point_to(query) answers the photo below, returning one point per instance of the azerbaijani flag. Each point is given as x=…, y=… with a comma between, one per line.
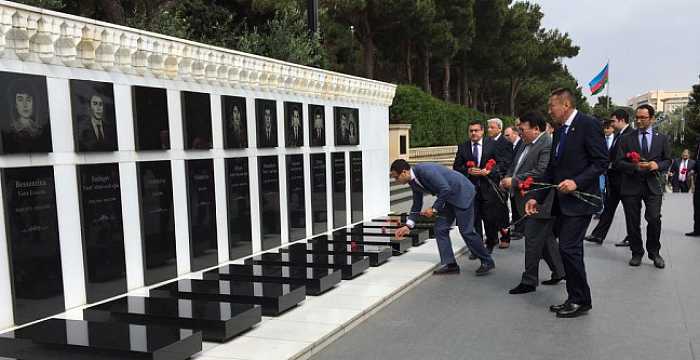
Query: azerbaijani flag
x=599, y=81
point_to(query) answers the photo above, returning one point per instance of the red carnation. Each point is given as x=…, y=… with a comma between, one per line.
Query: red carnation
x=525, y=185
x=470, y=164
x=633, y=157
x=684, y=171
x=490, y=164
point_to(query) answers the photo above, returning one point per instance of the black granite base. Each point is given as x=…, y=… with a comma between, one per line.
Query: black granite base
x=349, y=265
x=274, y=298
x=78, y=340
x=398, y=246
x=316, y=280
x=402, y=217
x=320, y=245
x=219, y=321
x=393, y=225
x=417, y=236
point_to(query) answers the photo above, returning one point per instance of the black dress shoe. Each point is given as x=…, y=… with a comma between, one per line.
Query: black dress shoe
x=521, y=289
x=693, y=234
x=447, y=269
x=553, y=281
x=485, y=268
x=658, y=261
x=573, y=310
x=593, y=239
x=623, y=243
x=557, y=308
x=636, y=260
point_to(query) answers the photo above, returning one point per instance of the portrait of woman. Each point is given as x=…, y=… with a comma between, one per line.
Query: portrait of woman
x=235, y=124
x=25, y=127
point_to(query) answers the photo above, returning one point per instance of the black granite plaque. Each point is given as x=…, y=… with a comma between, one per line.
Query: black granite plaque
x=347, y=126
x=317, y=125
x=338, y=177
x=266, y=123
x=150, y=107
x=238, y=204
x=268, y=175
x=319, y=194
x=293, y=124
x=202, y=213
x=356, y=193
x=196, y=120
x=24, y=106
x=94, y=120
x=157, y=221
x=233, y=111
x=34, y=251
x=296, y=199
x=102, y=229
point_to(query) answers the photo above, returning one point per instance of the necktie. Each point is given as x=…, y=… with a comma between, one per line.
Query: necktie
x=645, y=144
x=100, y=134
x=562, y=140
x=475, y=153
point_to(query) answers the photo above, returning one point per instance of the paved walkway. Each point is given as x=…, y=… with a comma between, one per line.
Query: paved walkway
x=638, y=313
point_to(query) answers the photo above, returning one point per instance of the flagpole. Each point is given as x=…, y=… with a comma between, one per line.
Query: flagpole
x=608, y=89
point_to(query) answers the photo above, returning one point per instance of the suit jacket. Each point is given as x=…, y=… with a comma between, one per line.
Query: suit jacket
x=634, y=179
x=504, y=155
x=447, y=185
x=614, y=175
x=489, y=150
x=87, y=139
x=676, y=168
x=516, y=151
x=534, y=164
x=583, y=158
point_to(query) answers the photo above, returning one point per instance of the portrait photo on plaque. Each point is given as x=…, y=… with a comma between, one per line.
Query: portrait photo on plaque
x=293, y=124
x=317, y=125
x=347, y=126
x=196, y=120
x=94, y=120
x=233, y=112
x=266, y=123
x=25, y=114
x=150, y=107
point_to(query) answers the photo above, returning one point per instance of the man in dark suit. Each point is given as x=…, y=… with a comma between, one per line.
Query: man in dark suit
x=455, y=201
x=680, y=172
x=532, y=161
x=620, y=121
x=96, y=132
x=696, y=197
x=641, y=181
x=579, y=158
x=504, y=157
x=512, y=134
x=490, y=201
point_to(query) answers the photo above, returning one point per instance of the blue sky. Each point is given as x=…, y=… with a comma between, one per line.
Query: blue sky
x=651, y=44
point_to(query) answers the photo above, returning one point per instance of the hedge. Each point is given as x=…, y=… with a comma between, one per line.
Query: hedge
x=433, y=122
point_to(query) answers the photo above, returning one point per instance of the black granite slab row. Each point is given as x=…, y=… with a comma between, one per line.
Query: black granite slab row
x=399, y=246
x=417, y=236
x=402, y=217
x=219, y=321
x=377, y=255
x=316, y=280
x=78, y=340
x=274, y=298
x=393, y=225
x=349, y=265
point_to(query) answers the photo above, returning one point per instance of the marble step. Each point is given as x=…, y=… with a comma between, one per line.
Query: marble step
x=345, y=236
x=219, y=321
x=316, y=280
x=417, y=236
x=349, y=265
x=78, y=340
x=377, y=254
x=273, y=298
x=393, y=225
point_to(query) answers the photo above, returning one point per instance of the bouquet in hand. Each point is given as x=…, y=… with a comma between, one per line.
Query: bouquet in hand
x=525, y=185
x=684, y=171
x=470, y=164
x=633, y=157
x=490, y=164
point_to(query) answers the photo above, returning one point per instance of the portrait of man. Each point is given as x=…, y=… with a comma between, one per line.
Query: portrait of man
x=266, y=122
x=25, y=125
x=93, y=116
x=235, y=123
x=347, y=130
x=294, y=135
x=317, y=126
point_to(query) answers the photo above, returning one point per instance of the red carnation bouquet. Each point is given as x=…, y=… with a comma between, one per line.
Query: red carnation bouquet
x=684, y=171
x=633, y=157
x=490, y=164
x=526, y=187
x=470, y=164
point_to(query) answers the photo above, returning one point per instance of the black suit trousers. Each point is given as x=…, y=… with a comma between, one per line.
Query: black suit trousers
x=696, y=208
x=612, y=200
x=652, y=214
x=571, y=230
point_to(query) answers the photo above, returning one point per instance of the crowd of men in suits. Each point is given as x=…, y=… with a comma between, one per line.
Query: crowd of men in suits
x=554, y=176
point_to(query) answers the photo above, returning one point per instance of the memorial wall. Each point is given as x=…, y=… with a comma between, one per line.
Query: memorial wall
x=130, y=158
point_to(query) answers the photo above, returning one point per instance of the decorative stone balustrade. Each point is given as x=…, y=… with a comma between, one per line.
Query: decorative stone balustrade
x=36, y=35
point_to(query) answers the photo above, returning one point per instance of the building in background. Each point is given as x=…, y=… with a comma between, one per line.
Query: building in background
x=661, y=100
